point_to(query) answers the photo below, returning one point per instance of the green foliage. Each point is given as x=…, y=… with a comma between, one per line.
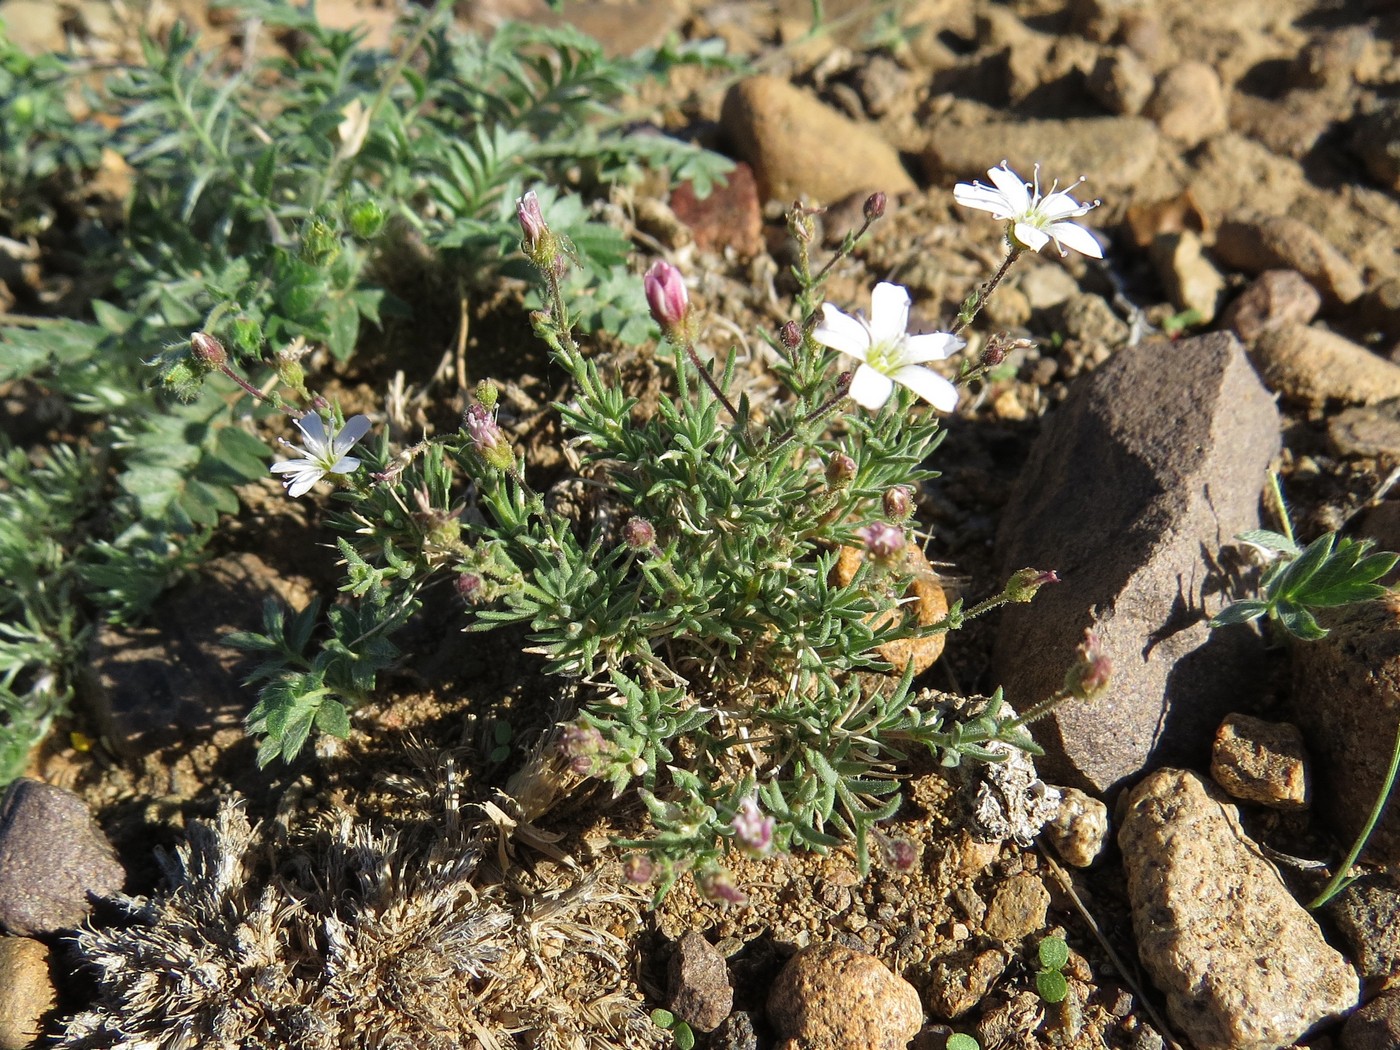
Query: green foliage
x=1049, y=980
x=1331, y=571
x=961, y=1041
x=267, y=203
x=680, y=1031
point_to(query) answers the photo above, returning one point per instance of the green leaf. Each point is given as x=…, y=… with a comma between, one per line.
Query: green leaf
x=1298, y=572
x=1053, y=952
x=1299, y=622
x=332, y=718
x=961, y=1041
x=1051, y=985
x=1269, y=540
x=1239, y=612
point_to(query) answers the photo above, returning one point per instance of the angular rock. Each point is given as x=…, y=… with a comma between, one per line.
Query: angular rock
x=1155, y=458
x=788, y=136
x=735, y=1034
x=1120, y=82
x=1376, y=1026
x=1079, y=831
x=53, y=857
x=1366, y=430
x=1282, y=242
x=1017, y=910
x=1113, y=151
x=959, y=982
x=1346, y=700
x=830, y=997
x=1189, y=103
x=1367, y=915
x=1261, y=761
x=1314, y=366
x=731, y=217
x=26, y=991
x=1243, y=965
x=1274, y=298
x=700, y=993
x=1191, y=280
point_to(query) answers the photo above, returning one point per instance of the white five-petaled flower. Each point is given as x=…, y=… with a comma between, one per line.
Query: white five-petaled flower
x=1033, y=221
x=324, y=452
x=888, y=354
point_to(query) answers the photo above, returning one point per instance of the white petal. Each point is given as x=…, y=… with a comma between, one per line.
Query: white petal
x=984, y=198
x=345, y=465
x=288, y=466
x=1076, y=237
x=314, y=428
x=842, y=332
x=931, y=346
x=1012, y=187
x=355, y=428
x=301, y=484
x=889, y=312
x=1031, y=237
x=871, y=389
x=930, y=386
x=1061, y=206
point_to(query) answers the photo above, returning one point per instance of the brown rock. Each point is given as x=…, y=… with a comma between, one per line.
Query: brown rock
x=729, y=218
x=1274, y=298
x=800, y=148
x=1346, y=697
x=26, y=991
x=1377, y=140
x=1017, y=910
x=1243, y=965
x=1151, y=459
x=1261, y=761
x=1366, y=430
x=930, y=606
x=1189, y=103
x=959, y=982
x=1281, y=242
x=830, y=997
x=700, y=992
x=1376, y=1026
x=1314, y=366
x=1191, y=281
x=1367, y=915
x=1079, y=831
x=1121, y=82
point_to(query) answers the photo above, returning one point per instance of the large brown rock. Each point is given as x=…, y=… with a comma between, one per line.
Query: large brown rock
x=1153, y=463
x=830, y=997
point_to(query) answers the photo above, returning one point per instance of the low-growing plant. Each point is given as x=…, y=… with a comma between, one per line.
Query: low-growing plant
x=726, y=609
x=272, y=197
x=1050, y=983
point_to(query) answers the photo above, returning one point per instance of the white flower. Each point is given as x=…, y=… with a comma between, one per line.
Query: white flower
x=889, y=355
x=1034, y=220
x=324, y=452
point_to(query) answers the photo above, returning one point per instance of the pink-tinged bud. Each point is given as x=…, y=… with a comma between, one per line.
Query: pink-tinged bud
x=882, y=540
x=1023, y=584
x=840, y=469
x=469, y=587
x=718, y=885
x=639, y=534
x=638, y=869
x=667, y=297
x=488, y=438
x=1092, y=670
x=874, y=206
x=207, y=350
x=532, y=225
x=994, y=354
x=752, y=830
x=791, y=335
x=898, y=854
x=582, y=745
x=897, y=503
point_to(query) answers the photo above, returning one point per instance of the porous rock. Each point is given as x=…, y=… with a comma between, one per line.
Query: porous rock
x=26, y=991
x=53, y=857
x=1281, y=242
x=831, y=997
x=1017, y=909
x=1376, y=1026
x=1154, y=458
x=1191, y=280
x=1314, y=366
x=1189, y=103
x=1346, y=700
x=1367, y=915
x=700, y=992
x=959, y=981
x=1261, y=761
x=788, y=135
x=1242, y=964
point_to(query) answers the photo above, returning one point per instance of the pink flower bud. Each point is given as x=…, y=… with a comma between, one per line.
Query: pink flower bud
x=840, y=468
x=638, y=868
x=1023, y=584
x=791, y=335
x=487, y=437
x=667, y=297
x=897, y=503
x=752, y=830
x=874, y=206
x=1092, y=670
x=717, y=884
x=639, y=534
x=469, y=586
x=532, y=225
x=882, y=540
x=207, y=350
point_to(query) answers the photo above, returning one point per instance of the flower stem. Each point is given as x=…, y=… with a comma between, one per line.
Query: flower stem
x=1343, y=877
x=974, y=303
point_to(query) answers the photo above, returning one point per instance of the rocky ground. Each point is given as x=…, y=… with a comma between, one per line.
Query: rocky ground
x=1246, y=317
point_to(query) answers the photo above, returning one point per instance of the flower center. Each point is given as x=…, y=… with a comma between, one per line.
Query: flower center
x=885, y=355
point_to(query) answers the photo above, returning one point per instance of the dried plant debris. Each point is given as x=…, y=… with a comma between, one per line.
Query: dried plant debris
x=355, y=937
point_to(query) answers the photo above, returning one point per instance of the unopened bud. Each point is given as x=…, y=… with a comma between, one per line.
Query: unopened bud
x=897, y=503
x=874, y=206
x=993, y=354
x=1023, y=584
x=882, y=540
x=207, y=350
x=638, y=868
x=1092, y=670
x=898, y=854
x=487, y=438
x=487, y=394
x=791, y=335
x=752, y=829
x=639, y=534
x=667, y=297
x=469, y=586
x=718, y=885
x=366, y=219
x=582, y=745
x=840, y=469
x=532, y=225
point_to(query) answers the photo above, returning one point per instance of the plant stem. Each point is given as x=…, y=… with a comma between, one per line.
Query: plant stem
x=974, y=306
x=1343, y=877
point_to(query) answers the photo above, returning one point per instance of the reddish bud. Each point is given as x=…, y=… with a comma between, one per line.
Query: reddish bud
x=840, y=469
x=874, y=206
x=791, y=335
x=469, y=586
x=638, y=868
x=1092, y=670
x=207, y=350
x=532, y=225
x=639, y=534
x=897, y=503
x=667, y=297
x=752, y=829
x=882, y=540
x=717, y=884
x=1025, y=582
x=898, y=854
